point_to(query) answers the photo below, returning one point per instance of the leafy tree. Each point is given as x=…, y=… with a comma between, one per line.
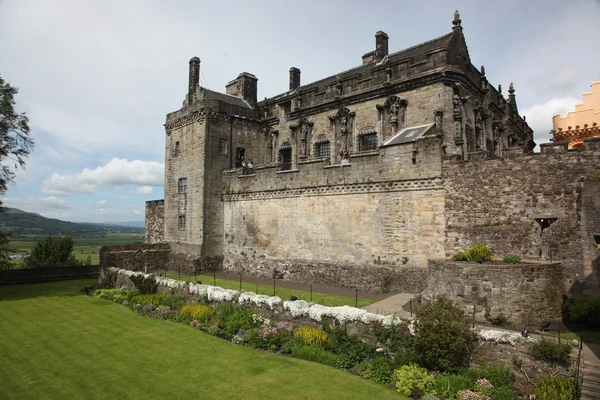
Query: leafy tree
x=443, y=336
x=15, y=146
x=52, y=251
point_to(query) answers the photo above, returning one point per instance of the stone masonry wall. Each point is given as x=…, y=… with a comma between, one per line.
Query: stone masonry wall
x=497, y=202
x=155, y=222
x=526, y=293
x=338, y=225
x=590, y=225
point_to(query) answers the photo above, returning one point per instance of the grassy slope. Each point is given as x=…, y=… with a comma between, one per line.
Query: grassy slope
x=284, y=293
x=58, y=344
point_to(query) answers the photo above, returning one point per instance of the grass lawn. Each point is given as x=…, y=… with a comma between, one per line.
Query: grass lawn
x=283, y=293
x=56, y=343
x=588, y=336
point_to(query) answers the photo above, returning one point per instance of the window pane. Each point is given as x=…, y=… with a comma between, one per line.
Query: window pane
x=323, y=149
x=367, y=142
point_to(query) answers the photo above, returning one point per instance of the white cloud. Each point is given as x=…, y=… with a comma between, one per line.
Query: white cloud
x=101, y=204
x=147, y=190
x=32, y=204
x=539, y=117
x=117, y=172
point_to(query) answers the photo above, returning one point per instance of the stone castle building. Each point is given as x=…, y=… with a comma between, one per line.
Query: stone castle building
x=579, y=124
x=360, y=178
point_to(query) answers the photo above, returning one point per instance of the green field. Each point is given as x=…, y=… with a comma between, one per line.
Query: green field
x=59, y=344
x=283, y=293
x=83, y=247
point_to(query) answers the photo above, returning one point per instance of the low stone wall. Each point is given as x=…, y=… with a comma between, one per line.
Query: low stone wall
x=526, y=293
x=38, y=275
x=137, y=257
x=373, y=278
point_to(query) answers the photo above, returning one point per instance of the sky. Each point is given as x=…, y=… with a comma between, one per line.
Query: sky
x=97, y=78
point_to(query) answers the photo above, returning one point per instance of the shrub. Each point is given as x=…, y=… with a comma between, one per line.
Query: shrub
x=378, y=371
x=504, y=393
x=232, y=318
x=145, y=299
x=449, y=385
x=551, y=352
x=116, y=295
x=175, y=302
x=479, y=251
x=498, y=375
x=512, y=259
x=460, y=256
x=312, y=335
x=314, y=353
x=499, y=320
x=584, y=312
x=429, y=396
x=353, y=349
x=411, y=377
x=554, y=387
x=443, y=336
x=198, y=312
x=145, y=284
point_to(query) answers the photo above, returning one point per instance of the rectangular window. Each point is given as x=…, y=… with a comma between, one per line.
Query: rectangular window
x=181, y=222
x=223, y=146
x=286, y=159
x=182, y=185
x=367, y=142
x=176, y=149
x=323, y=150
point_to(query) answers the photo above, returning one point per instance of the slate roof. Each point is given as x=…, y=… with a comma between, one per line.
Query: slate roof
x=226, y=98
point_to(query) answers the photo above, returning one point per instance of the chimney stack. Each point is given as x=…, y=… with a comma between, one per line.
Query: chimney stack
x=244, y=86
x=381, y=45
x=294, y=78
x=194, y=80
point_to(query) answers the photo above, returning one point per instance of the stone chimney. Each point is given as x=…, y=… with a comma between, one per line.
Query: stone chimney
x=194, y=79
x=244, y=86
x=381, y=45
x=294, y=78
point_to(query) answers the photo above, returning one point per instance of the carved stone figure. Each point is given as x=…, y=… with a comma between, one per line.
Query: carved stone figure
x=338, y=85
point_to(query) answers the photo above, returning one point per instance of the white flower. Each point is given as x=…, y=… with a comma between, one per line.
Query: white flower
x=259, y=299
x=498, y=336
x=342, y=314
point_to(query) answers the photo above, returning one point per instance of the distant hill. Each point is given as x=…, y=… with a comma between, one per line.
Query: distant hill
x=22, y=223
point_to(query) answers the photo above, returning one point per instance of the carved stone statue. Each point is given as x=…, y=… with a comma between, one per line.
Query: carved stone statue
x=338, y=85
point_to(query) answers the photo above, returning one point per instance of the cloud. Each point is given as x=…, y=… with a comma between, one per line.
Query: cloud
x=147, y=190
x=32, y=204
x=539, y=117
x=101, y=204
x=117, y=172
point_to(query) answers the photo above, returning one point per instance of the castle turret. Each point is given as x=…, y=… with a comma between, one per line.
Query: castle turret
x=244, y=86
x=294, y=78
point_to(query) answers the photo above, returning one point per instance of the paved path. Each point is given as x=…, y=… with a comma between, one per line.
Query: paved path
x=392, y=305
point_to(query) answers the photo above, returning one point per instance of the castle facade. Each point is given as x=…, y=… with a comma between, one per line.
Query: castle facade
x=360, y=178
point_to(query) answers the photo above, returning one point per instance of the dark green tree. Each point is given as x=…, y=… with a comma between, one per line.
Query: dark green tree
x=443, y=336
x=15, y=146
x=52, y=251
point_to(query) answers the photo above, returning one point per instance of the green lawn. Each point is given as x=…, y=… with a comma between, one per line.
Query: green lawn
x=58, y=344
x=283, y=293
x=588, y=336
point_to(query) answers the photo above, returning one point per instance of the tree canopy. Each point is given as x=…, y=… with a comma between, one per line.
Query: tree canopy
x=52, y=251
x=15, y=146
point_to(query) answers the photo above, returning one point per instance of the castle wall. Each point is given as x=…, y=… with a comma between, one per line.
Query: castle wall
x=185, y=160
x=359, y=225
x=155, y=221
x=497, y=202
